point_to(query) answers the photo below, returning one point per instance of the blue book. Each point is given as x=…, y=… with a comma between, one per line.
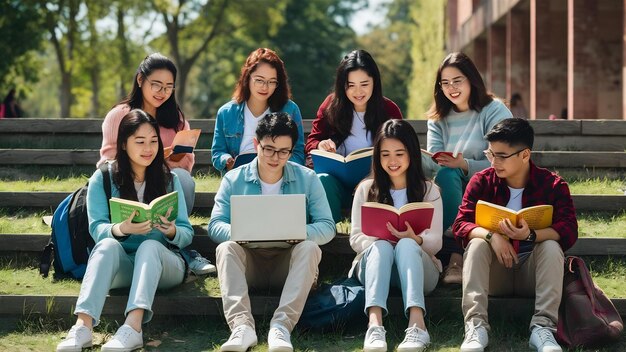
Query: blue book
x=350, y=170
x=243, y=159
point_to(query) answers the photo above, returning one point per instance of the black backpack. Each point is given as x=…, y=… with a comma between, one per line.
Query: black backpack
x=70, y=241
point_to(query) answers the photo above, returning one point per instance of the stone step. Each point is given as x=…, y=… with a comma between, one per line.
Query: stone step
x=586, y=202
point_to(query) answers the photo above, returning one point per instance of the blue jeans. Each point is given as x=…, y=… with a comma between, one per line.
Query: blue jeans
x=406, y=266
x=189, y=187
x=152, y=266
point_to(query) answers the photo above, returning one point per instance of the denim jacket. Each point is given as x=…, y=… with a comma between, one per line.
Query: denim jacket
x=229, y=132
x=297, y=179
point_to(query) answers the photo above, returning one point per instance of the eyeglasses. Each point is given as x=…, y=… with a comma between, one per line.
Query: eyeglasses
x=454, y=83
x=269, y=152
x=499, y=158
x=157, y=87
x=261, y=82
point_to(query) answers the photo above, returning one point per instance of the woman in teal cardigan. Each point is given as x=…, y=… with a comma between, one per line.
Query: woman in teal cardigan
x=142, y=256
x=461, y=115
x=262, y=88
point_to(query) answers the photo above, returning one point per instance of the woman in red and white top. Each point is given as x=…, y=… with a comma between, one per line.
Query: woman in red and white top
x=153, y=92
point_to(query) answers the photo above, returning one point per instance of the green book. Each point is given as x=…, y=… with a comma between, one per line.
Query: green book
x=122, y=208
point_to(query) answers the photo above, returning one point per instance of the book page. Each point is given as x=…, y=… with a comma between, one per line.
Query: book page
x=538, y=217
x=187, y=137
x=161, y=206
x=489, y=215
x=318, y=154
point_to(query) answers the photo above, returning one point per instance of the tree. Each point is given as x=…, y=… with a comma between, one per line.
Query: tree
x=312, y=43
x=427, y=51
x=21, y=33
x=388, y=43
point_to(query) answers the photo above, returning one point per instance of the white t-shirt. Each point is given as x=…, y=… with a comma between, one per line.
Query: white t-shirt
x=249, y=128
x=271, y=188
x=515, y=200
x=399, y=197
x=140, y=188
x=358, y=138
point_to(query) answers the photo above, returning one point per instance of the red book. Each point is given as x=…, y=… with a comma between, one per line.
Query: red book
x=374, y=218
x=435, y=155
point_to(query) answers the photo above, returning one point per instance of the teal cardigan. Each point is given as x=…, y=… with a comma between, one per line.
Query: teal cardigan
x=297, y=179
x=100, y=225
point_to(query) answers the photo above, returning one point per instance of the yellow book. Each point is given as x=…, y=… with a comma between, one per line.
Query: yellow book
x=489, y=215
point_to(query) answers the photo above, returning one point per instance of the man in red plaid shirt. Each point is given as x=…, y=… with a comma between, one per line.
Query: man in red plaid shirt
x=515, y=260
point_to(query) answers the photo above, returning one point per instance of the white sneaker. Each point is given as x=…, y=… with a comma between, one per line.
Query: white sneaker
x=542, y=339
x=77, y=338
x=241, y=338
x=375, y=339
x=126, y=339
x=415, y=340
x=476, y=338
x=199, y=265
x=279, y=339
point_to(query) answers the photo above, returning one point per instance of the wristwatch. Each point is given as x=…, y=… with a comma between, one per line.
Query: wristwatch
x=488, y=236
x=532, y=237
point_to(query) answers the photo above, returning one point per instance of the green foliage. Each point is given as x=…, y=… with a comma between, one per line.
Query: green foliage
x=388, y=45
x=21, y=32
x=311, y=43
x=427, y=51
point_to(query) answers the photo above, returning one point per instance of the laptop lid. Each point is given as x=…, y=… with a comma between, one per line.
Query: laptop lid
x=268, y=219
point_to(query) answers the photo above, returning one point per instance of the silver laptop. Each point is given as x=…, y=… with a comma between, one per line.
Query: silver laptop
x=268, y=220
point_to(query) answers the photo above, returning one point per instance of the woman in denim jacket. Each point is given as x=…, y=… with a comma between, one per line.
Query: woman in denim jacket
x=262, y=88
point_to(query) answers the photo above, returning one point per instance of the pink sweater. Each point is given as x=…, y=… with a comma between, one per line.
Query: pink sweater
x=111, y=125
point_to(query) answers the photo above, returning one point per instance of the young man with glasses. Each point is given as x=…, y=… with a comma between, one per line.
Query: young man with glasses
x=516, y=259
x=269, y=173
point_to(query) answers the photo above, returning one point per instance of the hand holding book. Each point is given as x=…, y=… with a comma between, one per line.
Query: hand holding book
x=167, y=227
x=128, y=227
x=408, y=233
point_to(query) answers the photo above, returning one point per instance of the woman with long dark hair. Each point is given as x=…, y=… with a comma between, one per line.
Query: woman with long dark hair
x=142, y=256
x=153, y=92
x=461, y=115
x=262, y=88
x=410, y=264
x=349, y=118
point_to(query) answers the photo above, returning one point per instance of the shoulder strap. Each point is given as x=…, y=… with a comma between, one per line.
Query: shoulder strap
x=106, y=181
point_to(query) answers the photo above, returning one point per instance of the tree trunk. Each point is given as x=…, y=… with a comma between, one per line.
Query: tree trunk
x=66, y=93
x=124, y=53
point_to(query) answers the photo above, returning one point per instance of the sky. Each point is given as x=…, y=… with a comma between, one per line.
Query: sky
x=370, y=15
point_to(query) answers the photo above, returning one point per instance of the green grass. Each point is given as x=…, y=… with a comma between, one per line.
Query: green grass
x=595, y=224
x=204, y=183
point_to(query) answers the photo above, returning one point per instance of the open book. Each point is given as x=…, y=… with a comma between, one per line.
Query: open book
x=350, y=170
x=122, y=208
x=435, y=155
x=489, y=215
x=244, y=158
x=374, y=218
x=184, y=142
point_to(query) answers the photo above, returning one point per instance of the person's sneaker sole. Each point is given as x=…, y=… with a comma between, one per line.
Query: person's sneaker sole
x=374, y=349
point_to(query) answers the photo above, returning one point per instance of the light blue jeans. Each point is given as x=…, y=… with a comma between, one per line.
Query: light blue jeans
x=153, y=266
x=189, y=187
x=406, y=266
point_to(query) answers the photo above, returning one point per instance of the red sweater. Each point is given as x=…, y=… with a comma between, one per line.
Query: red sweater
x=321, y=130
x=543, y=187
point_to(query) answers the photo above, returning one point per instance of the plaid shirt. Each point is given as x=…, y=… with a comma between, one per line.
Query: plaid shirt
x=543, y=187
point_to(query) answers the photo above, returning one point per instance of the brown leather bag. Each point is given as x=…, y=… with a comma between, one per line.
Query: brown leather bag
x=587, y=318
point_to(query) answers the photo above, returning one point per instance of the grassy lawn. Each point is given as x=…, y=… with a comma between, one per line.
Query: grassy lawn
x=42, y=333
x=595, y=224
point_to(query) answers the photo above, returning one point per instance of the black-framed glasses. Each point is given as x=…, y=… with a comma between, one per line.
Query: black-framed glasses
x=157, y=87
x=269, y=152
x=261, y=83
x=496, y=157
x=454, y=83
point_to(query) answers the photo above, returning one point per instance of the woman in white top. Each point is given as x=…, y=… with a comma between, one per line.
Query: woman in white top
x=410, y=262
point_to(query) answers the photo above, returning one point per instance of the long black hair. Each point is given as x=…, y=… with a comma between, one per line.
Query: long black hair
x=158, y=175
x=479, y=97
x=415, y=179
x=169, y=113
x=340, y=111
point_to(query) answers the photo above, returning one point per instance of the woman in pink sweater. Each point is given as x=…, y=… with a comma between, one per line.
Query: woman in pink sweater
x=153, y=92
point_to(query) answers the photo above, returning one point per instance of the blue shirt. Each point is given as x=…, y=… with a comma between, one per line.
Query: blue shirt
x=229, y=133
x=297, y=179
x=100, y=225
